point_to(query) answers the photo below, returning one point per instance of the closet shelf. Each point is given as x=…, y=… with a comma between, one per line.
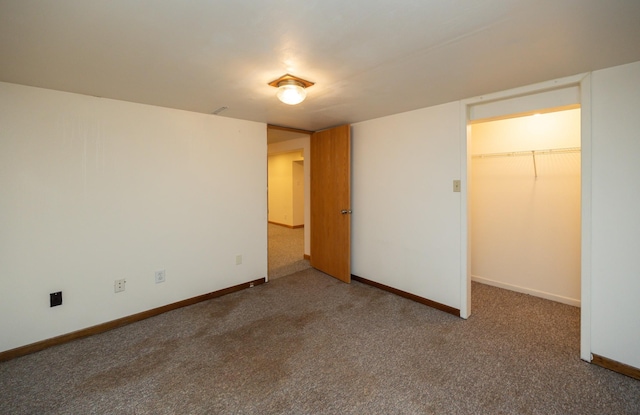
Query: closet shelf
x=529, y=153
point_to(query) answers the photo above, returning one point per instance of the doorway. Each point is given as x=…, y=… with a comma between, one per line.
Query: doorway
x=551, y=94
x=288, y=201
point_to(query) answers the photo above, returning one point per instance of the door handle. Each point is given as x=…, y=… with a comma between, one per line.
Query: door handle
x=345, y=211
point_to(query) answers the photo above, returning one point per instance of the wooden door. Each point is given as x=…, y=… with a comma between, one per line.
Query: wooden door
x=331, y=202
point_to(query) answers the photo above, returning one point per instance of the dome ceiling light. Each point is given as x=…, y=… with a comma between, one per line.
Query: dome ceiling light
x=291, y=89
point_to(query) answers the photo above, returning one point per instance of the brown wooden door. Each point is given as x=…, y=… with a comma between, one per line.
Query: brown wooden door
x=331, y=202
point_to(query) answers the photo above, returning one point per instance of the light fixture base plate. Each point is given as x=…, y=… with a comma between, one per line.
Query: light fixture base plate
x=288, y=77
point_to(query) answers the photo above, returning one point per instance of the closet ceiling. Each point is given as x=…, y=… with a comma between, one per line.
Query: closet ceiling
x=368, y=58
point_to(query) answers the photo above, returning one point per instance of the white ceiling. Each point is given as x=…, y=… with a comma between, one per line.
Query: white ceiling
x=368, y=58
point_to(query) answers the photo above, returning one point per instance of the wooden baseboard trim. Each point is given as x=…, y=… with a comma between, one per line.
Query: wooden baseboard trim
x=307, y=257
x=410, y=296
x=622, y=368
x=110, y=325
x=287, y=226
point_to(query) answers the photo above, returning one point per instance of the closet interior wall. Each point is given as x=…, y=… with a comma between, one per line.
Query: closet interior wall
x=525, y=204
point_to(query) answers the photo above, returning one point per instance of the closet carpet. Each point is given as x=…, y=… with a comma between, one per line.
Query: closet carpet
x=309, y=344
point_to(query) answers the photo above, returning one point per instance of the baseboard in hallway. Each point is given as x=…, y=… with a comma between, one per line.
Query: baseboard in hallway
x=287, y=226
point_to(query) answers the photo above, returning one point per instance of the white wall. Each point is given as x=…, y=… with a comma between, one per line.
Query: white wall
x=304, y=144
x=406, y=217
x=615, y=278
x=525, y=230
x=95, y=190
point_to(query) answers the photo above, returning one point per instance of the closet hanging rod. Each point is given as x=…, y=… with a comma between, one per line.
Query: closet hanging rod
x=529, y=152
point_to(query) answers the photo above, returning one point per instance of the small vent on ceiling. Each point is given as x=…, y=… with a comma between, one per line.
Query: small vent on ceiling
x=219, y=110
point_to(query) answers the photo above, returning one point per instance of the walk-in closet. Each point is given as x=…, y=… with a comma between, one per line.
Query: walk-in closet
x=525, y=204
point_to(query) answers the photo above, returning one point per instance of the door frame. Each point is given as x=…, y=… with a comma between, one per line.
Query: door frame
x=583, y=82
x=285, y=147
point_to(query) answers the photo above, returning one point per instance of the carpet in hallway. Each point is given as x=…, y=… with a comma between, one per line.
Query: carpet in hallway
x=286, y=251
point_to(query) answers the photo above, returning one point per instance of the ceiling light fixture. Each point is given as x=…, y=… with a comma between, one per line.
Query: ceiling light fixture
x=291, y=89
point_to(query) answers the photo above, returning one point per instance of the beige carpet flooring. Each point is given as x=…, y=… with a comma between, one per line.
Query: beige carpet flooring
x=286, y=251
x=309, y=344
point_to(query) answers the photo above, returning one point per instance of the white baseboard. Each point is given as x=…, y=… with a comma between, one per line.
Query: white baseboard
x=549, y=296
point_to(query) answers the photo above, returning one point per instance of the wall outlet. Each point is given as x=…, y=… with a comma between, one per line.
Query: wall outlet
x=118, y=285
x=160, y=276
x=238, y=259
x=55, y=299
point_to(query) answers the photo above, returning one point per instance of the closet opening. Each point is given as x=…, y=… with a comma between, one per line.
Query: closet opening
x=570, y=93
x=525, y=203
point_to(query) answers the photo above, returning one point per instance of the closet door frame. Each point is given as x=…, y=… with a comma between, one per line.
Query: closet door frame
x=556, y=90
